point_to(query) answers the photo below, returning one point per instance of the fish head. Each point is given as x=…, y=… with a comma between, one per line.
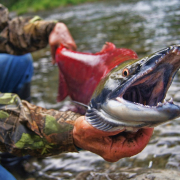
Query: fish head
x=114, y=81
x=131, y=96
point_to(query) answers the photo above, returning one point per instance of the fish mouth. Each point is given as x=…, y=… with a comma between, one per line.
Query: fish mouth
x=139, y=102
x=147, y=91
x=150, y=87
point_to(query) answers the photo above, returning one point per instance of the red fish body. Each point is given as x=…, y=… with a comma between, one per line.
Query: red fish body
x=80, y=72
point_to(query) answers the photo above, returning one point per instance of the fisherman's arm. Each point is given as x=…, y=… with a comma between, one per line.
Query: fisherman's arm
x=29, y=129
x=23, y=35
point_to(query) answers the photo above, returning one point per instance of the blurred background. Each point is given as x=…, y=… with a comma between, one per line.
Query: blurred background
x=141, y=25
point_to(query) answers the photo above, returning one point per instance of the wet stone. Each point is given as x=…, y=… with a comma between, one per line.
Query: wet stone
x=132, y=174
x=150, y=176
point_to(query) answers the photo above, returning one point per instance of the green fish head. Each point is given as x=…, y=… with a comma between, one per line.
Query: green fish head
x=132, y=95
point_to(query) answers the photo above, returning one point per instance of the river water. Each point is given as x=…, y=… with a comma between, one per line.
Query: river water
x=142, y=25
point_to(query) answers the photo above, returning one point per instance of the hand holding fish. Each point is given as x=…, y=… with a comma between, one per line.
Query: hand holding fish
x=112, y=146
x=60, y=35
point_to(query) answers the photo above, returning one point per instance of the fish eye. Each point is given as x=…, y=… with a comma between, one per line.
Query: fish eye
x=125, y=72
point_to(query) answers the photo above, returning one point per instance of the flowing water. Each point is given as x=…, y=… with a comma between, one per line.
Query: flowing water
x=142, y=25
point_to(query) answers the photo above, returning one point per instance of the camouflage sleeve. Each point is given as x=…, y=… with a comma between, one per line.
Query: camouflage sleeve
x=29, y=129
x=4, y=17
x=22, y=35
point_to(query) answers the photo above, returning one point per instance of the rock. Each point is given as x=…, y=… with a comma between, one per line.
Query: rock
x=131, y=174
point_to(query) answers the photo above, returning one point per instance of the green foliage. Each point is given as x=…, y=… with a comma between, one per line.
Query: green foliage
x=23, y=6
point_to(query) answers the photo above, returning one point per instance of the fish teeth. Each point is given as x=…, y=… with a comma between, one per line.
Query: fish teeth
x=157, y=61
x=175, y=49
x=148, y=106
x=138, y=104
x=171, y=47
x=159, y=104
x=171, y=100
x=161, y=57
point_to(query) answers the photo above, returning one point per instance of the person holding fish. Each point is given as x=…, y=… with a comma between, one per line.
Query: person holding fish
x=54, y=132
x=139, y=87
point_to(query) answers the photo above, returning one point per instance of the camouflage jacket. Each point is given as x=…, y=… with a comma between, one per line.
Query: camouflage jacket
x=29, y=129
x=22, y=35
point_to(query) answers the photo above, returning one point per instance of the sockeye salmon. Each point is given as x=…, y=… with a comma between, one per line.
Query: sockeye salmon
x=131, y=95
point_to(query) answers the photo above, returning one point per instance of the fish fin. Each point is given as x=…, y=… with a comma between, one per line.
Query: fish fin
x=81, y=104
x=108, y=47
x=62, y=89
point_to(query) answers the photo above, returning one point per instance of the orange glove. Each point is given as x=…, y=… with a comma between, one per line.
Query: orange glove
x=112, y=146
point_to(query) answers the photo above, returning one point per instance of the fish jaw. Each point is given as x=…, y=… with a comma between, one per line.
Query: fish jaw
x=153, y=115
x=137, y=101
x=116, y=115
